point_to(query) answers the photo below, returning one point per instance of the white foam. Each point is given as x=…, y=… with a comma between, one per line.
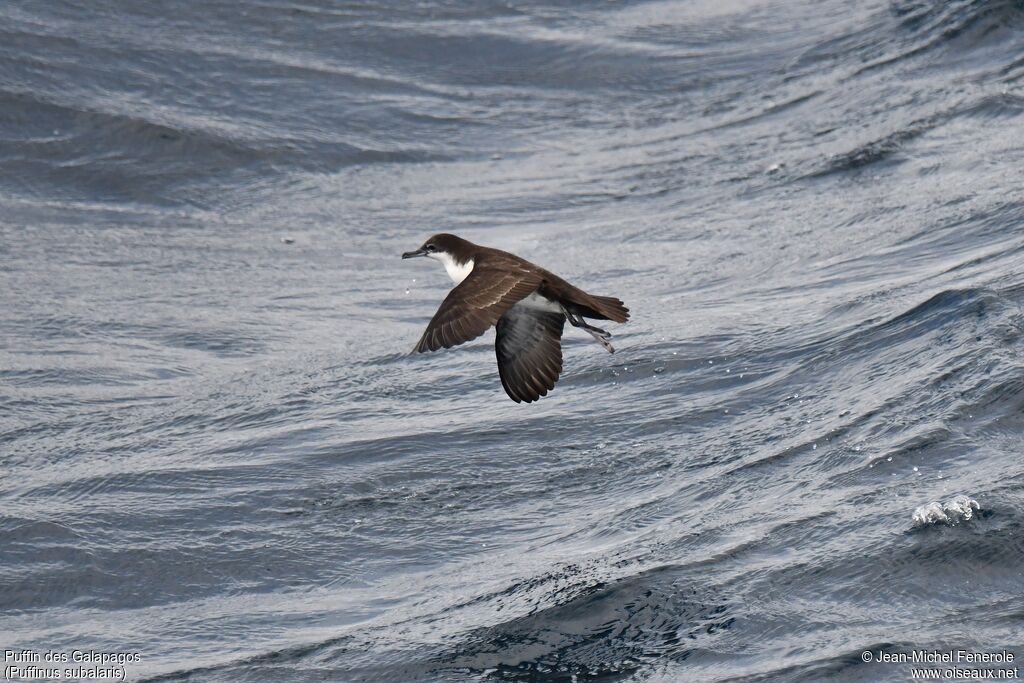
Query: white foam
x=959, y=509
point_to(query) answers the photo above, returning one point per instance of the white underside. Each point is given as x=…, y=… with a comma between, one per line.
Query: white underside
x=456, y=271
x=536, y=302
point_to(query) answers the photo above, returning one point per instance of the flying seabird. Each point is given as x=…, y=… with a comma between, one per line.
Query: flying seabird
x=526, y=303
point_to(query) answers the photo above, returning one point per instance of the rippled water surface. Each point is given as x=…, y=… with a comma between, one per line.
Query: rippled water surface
x=217, y=452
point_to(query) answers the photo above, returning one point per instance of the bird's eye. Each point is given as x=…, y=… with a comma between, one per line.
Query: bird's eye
x=431, y=247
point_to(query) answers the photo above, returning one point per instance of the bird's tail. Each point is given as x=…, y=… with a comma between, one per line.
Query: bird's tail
x=610, y=308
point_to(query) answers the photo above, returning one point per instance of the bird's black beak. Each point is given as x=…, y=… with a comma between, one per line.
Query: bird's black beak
x=414, y=254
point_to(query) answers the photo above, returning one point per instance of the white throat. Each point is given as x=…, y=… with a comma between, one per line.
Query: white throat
x=456, y=271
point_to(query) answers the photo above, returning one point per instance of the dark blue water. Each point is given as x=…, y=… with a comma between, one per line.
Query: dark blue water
x=216, y=451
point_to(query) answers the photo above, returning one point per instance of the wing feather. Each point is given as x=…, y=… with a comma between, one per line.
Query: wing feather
x=476, y=304
x=529, y=350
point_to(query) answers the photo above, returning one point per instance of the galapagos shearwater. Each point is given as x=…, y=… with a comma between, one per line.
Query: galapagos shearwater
x=526, y=303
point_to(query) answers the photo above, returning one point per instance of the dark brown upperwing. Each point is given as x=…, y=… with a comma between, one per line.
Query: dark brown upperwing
x=477, y=303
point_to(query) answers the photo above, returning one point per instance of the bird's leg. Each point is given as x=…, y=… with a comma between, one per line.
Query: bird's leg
x=577, y=320
x=597, y=333
x=603, y=341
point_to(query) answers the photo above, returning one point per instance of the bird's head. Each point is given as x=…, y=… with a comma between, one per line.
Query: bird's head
x=443, y=247
x=454, y=252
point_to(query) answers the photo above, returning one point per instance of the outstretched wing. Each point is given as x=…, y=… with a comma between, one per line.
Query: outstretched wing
x=475, y=304
x=529, y=350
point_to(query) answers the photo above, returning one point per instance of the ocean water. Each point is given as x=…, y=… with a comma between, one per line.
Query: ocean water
x=217, y=452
